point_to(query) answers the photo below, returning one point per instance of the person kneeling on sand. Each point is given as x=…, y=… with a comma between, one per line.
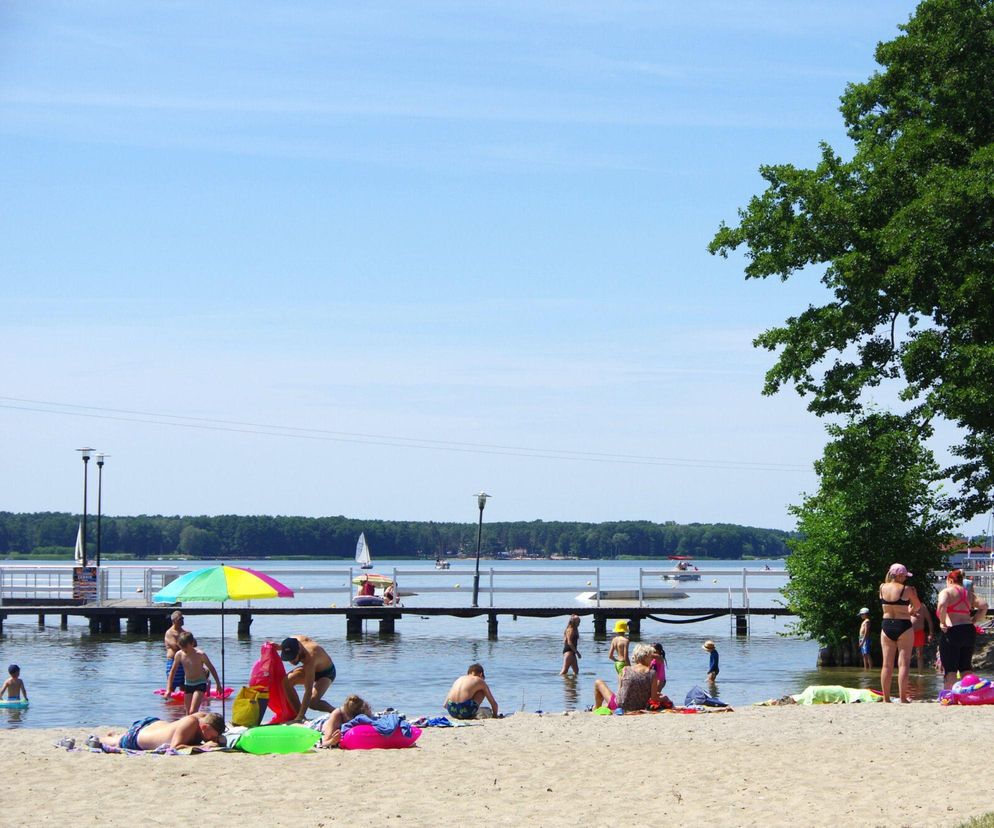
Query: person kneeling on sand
x=466, y=694
x=150, y=733
x=637, y=684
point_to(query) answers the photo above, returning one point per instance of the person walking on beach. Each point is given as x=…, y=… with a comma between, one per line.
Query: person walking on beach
x=316, y=672
x=864, y=638
x=150, y=733
x=712, y=660
x=959, y=610
x=467, y=694
x=899, y=602
x=195, y=664
x=172, y=647
x=571, y=640
x=618, y=651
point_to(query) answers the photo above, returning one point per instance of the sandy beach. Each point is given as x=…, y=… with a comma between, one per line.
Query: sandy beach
x=796, y=766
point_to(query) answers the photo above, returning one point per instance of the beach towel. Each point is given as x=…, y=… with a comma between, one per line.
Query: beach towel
x=835, y=694
x=697, y=696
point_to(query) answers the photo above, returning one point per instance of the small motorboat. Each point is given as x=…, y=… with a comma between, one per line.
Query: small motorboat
x=683, y=571
x=440, y=564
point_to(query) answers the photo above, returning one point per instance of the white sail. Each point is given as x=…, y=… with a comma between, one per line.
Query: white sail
x=362, y=553
x=79, y=544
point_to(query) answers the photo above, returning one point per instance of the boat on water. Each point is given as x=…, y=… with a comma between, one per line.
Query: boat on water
x=683, y=571
x=632, y=595
x=440, y=564
x=362, y=556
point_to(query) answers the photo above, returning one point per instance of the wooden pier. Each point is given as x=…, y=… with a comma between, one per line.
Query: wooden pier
x=140, y=618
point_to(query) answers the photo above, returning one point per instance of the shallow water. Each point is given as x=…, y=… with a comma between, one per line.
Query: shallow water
x=79, y=679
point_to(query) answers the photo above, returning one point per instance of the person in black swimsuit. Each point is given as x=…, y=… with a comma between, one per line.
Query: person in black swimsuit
x=959, y=610
x=571, y=639
x=899, y=601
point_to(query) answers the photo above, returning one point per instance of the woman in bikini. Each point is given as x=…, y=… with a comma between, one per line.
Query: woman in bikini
x=958, y=635
x=571, y=640
x=899, y=602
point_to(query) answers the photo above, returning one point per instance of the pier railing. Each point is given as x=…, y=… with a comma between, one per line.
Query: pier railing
x=136, y=584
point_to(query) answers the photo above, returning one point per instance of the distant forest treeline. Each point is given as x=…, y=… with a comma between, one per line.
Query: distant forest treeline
x=235, y=536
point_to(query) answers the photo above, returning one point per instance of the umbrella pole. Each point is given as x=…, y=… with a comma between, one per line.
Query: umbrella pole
x=223, y=700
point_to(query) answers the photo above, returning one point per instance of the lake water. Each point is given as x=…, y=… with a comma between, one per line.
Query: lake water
x=79, y=679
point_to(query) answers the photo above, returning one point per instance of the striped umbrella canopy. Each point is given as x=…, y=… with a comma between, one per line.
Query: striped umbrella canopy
x=222, y=583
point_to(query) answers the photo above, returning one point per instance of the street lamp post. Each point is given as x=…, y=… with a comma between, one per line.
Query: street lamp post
x=100, y=489
x=481, y=500
x=85, y=453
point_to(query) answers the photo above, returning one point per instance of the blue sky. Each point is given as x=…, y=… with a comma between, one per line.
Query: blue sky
x=421, y=248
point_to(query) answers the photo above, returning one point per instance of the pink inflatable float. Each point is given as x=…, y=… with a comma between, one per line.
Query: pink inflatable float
x=367, y=737
x=178, y=695
x=969, y=690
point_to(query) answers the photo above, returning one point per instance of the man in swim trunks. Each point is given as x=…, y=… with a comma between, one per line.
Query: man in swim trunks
x=466, y=694
x=172, y=647
x=316, y=673
x=150, y=733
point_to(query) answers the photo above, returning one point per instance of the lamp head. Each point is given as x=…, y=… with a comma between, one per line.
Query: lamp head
x=481, y=499
x=100, y=458
x=85, y=453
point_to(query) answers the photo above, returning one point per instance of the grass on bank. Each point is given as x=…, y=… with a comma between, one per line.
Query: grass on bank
x=984, y=821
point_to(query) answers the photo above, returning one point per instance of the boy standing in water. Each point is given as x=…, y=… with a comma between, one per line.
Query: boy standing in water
x=713, y=661
x=618, y=653
x=195, y=664
x=864, y=638
x=13, y=688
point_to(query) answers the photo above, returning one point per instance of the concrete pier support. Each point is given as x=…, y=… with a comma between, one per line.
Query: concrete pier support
x=388, y=625
x=742, y=625
x=94, y=624
x=244, y=624
x=136, y=625
x=492, y=626
x=63, y=622
x=41, y=620
x=600, y=625
x=353, y=624
x=157, y=625
x=634, y=627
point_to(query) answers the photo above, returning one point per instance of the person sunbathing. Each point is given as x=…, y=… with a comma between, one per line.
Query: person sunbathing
x=637, y=684
x=150, y=733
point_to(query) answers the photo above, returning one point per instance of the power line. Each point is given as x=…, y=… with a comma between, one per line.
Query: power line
x=305, y=433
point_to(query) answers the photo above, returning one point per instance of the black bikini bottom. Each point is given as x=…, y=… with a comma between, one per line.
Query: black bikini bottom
x=894, y=628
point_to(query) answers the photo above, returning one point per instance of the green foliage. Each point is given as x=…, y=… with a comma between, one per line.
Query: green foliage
x=983, y=821
x=257, y=536
x=901, y=237
x=877, y=504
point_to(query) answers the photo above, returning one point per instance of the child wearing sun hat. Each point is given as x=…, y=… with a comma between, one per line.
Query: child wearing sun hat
x=618, y=652
x=713, y=662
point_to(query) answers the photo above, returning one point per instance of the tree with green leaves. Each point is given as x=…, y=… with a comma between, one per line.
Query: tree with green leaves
x=878, y=502
x=902, y=235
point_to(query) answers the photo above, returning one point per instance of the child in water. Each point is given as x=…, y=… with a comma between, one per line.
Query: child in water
x=13, y=688
x=195, y=663
x=713, y=661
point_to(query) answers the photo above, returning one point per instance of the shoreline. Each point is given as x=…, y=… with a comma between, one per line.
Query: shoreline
x=818, y=766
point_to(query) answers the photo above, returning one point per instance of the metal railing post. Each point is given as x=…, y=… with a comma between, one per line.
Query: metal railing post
x=491, y=586
x=641, y=577
x=598, y=593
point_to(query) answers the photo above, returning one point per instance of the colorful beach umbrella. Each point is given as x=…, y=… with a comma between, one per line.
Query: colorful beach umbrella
x=219, y=584
x=222, y=583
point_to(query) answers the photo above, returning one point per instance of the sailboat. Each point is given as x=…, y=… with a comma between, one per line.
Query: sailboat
x=362, y=553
